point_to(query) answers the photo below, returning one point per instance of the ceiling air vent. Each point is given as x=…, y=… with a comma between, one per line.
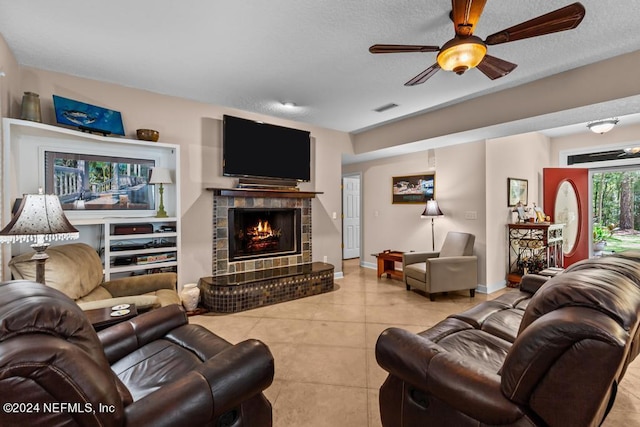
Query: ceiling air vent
x=385, y=107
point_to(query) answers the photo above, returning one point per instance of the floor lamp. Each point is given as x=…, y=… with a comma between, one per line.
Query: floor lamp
x=39, y=219
x=432, y=211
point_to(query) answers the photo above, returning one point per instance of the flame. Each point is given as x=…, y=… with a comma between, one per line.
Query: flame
x=263, y=230
x=263, y=227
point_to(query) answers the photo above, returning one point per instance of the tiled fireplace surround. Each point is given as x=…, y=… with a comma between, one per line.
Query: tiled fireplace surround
x=221, y=205
x=240, y=285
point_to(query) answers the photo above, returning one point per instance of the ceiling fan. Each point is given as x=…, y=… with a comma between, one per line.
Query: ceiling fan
x=630, y=151
x=466, y=51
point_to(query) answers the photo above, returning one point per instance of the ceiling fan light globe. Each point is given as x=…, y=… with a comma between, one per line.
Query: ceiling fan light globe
x=461, y=54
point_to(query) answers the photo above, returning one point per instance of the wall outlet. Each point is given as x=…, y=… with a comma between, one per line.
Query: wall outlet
x=471, y=215
x=324, y=259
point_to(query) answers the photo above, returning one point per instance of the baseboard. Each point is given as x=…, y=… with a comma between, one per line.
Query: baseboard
x=370, y=265
x=481, y=289
x=491, y=288
x=338, y=275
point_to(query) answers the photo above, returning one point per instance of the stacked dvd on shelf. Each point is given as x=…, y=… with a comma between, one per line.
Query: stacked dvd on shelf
x=151, y=258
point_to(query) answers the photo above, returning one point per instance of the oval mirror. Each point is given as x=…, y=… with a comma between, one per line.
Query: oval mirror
x=567, y=212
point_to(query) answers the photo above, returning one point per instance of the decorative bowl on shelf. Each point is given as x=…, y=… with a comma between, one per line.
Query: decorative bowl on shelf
x=148, y=134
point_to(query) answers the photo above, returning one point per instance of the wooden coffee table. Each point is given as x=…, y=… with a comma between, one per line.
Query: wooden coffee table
x=387, y=264
x=101, y=318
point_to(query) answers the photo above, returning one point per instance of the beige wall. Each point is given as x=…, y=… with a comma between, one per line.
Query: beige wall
x=10, y=95
x=399, y=226
x=471, y=180
x=196, y=128
x=469, y=177
x=462, y=189
x=9, y=104
x=572, y=90
x=520, y=156
x=386, y=225
x=620, y=135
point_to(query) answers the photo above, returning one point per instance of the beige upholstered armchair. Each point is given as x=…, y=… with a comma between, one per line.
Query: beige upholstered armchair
x=76, y=270
x=454, y=268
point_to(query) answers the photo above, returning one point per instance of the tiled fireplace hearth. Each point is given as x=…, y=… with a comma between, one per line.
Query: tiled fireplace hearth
x=247, y=279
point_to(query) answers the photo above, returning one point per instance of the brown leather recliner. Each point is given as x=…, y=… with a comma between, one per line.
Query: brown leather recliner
x=153, y=370
x=547, y=357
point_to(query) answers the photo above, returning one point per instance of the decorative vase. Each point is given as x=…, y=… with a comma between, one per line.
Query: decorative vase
x=190, y=295
x=31, y=107
x=599, y=246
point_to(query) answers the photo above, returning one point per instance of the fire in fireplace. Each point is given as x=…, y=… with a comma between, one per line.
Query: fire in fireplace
x=263, y=232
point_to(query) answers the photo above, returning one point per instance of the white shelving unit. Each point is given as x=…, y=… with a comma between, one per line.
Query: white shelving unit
x=23, y=171
x=156, y=244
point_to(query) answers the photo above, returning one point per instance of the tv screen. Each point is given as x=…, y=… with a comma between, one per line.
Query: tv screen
x=261, y=150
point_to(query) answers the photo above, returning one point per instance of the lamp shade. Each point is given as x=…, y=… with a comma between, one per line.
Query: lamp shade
x=39, y=217
x=432, y=210
x=160, y=176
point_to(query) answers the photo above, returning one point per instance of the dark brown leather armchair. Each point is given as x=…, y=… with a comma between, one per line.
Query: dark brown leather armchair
x=153, y=370
x=551, y=356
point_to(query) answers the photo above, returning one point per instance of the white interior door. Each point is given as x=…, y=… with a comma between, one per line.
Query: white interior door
x=350, y=217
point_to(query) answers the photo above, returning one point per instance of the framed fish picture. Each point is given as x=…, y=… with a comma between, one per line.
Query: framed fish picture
x=87, y=117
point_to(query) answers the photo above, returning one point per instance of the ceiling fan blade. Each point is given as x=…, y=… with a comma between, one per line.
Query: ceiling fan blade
x=565, y=18
x=423, y=76
x=465, y=15
x=399, y=48
x=494, y=68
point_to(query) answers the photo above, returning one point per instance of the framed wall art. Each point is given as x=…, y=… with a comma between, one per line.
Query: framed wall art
x=95, y=182
x=517, y=192
x=87, y=117
x=414, y=188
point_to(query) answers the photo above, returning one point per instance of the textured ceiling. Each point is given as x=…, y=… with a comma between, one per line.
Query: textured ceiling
x=253, y=55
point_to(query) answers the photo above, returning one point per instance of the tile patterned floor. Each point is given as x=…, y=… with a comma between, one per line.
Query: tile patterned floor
x=326, y=374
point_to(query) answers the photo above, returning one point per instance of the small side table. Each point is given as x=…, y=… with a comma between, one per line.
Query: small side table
x=101, y=318
x=387, y=264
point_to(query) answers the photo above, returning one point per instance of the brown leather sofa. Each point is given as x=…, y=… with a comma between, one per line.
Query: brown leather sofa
x=549, y=354
x=153, y=370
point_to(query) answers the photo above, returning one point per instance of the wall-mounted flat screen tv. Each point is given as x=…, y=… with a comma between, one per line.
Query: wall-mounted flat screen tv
x=260, y=150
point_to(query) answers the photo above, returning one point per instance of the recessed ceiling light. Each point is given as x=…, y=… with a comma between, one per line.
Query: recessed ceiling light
x=602, y=126
x=289, y=104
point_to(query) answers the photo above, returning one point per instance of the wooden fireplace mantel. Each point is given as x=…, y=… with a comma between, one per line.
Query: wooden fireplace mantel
x=263, y=192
